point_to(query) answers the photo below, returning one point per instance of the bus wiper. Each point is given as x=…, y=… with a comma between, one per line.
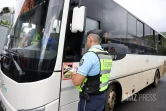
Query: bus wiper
x=15, y=63
x=13, y=52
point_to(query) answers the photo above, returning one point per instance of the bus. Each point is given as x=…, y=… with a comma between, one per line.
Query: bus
x=36, y=76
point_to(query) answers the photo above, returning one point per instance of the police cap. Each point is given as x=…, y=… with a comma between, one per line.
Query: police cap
x=98, y=32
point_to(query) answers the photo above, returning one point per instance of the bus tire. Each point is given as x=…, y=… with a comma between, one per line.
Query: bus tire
x=156, y=79
x=111, y=98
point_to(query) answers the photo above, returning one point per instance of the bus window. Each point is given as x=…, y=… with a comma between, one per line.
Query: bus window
x=139, y=29
x=160, y=40
x=135, y=39
x=149, y=41
x=148, y=36
x=114, y=21
x=90, y=25
x=38, y=49
x=75, y=44
x=131, y=25
x=161, y=46
x=28, y=24
x=156, y=37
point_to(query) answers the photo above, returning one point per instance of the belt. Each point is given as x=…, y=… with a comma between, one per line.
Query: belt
x=85, y=95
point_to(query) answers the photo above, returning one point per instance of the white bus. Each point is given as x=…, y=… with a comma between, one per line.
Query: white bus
x=35, y=77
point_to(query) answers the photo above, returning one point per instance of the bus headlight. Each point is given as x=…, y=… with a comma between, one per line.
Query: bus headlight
x=37, y=109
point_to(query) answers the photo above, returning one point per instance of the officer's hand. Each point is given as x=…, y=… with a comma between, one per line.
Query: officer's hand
x=73, y=73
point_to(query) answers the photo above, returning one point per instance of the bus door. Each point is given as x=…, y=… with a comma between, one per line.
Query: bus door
x=74, y=48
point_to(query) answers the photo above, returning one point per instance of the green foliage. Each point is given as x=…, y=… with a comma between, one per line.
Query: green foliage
x=4, y=22
x=164, y=33
x=149, y=37
x=162, y=47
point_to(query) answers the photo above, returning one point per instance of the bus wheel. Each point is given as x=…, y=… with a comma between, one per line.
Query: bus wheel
x=111, y=98
x=156, y=79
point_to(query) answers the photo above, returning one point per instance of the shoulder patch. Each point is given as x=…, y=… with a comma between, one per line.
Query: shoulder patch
x=81, y=62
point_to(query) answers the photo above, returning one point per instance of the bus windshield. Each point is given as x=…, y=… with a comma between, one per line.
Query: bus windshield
x=35, y=39
x=30, y=34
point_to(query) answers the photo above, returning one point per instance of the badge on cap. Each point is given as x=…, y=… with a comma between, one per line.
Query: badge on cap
x=81, y=62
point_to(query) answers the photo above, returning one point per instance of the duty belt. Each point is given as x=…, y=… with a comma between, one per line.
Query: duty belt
x=85, y=95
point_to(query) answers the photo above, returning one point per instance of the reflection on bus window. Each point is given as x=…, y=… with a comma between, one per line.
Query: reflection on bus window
x=111, y=46
x=29, y=28
x=75, y=43
x=26, y=27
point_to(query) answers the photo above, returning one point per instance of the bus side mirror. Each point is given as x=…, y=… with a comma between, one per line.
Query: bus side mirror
x=78, y=19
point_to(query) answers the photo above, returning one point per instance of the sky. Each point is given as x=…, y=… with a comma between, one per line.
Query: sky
x=9, y=3
x=152, y=12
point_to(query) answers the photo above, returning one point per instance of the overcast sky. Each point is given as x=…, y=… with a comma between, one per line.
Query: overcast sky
x=4, y=3
x=153, y=12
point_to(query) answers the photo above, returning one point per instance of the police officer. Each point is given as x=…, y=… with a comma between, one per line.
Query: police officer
x=91, y=78
x=33, y=37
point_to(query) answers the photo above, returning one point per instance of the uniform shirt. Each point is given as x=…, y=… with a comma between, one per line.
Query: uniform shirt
x=51, y=43
x=32, y=34
x=89, y=64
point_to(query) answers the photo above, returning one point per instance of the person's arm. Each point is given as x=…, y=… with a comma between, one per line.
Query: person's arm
x=23, y=41
x=27, y=36
x=77, y=78
x=83, y=70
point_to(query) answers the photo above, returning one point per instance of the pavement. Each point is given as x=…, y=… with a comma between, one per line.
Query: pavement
x=149, y=99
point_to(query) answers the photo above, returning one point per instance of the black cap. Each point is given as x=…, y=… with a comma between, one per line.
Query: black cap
x=99, y=32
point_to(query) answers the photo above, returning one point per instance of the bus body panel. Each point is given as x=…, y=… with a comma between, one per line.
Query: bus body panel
x=134, y=83
x=138, y=63
x=12, y=93
x=148, y=77
x=69, y=95
x=138, y=75
x=68, y=91
x=43, y=92
x=6, y=104
x=70, y=107
x=30, y=95
x=53, y=106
